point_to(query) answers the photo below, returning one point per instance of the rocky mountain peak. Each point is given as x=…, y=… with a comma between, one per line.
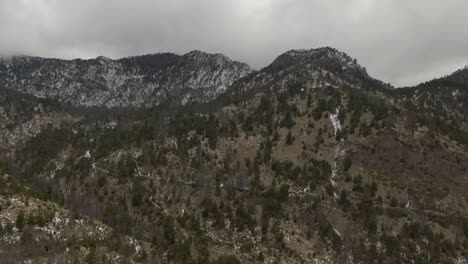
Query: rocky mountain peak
x=201, y=56
x=212, y=59
x=104, y=60
x=324, y=57
x=311, y=68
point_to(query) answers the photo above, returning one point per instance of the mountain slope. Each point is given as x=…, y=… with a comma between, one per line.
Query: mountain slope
x=308, y=160
x=24, y=116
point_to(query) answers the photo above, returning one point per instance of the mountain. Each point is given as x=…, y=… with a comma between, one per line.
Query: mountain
x=308, y=160
x=308, y=69
x=142, y=81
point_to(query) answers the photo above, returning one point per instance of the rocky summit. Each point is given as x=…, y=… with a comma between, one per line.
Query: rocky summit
x=196, y=158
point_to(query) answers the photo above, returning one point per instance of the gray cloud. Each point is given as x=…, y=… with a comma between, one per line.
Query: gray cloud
x=399, y=41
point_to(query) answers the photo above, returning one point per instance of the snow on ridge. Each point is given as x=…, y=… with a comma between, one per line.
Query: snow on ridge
x=105, y=82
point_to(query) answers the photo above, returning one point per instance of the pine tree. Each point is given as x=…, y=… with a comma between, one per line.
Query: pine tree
x=289, y=138
x=20, y=220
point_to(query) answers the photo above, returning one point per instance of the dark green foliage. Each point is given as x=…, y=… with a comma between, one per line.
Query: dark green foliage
x=393, y=202
x=169, y=229
x=340, y=134
x=180, y=251
x=371, y=189
x=273, y=200
x=264, y=114
x=326, y=230
x=392, y=245
x=271, y=208
x=119, y=218
x=8, y=228
x=208, y=126
x=161, y=158
x=412, y=230
x=319, y=109
x=3, y=167
x=294, y=87
x=315, y=173
x=243, y=219
x=40, y=218
x=211, y=131
x=283, y=193
x=83, y=166
x=289, y=111
x=45, y=146
x=465, y=227
x=365, y=130
x=232, y=128
x=109, y=140
x=91, y=257
x=267, y=150
x=126, y=167
x=20, y=220
x=355, y=118
x=248, y=124
x=368, y=213
x=347, y=164
x=289, y=138
x=357, y=187
x=344, y=202
x=101, y=181
x=361, y=102
x=286, y=169
x=455, y=133
x=287, y=121
x=226, y=259
x=185, y=122
x=151, y=63
x=138, y=193
x=341, y=116
x=210, y=210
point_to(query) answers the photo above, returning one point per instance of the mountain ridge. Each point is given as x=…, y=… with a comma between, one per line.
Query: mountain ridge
x=134, y=81
x=150, y=79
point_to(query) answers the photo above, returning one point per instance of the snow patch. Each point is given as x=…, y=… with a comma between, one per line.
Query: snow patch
x=337, y=233
x=335, y=121
x=339, y=149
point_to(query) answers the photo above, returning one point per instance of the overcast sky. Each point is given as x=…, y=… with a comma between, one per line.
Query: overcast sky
x=399, y=41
